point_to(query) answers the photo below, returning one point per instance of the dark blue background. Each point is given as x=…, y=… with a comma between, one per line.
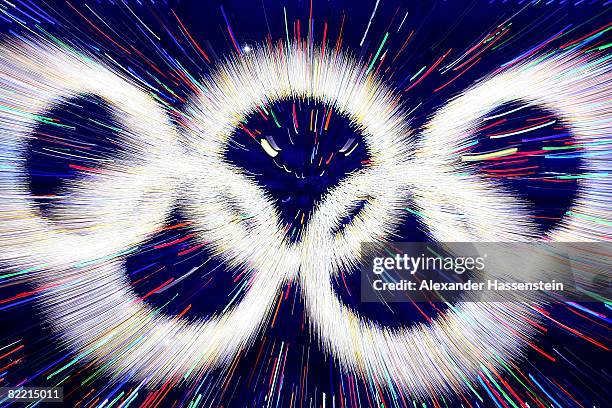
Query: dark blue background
x=438, y=26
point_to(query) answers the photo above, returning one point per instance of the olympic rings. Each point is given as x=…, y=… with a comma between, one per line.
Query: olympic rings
x=87, y=297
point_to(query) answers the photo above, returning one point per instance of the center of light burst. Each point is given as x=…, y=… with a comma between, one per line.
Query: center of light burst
x=297, y=150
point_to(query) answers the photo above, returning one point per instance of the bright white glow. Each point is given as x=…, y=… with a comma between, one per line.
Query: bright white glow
x=412, y=359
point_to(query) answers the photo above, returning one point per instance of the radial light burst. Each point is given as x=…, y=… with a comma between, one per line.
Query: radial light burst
x=175, y=159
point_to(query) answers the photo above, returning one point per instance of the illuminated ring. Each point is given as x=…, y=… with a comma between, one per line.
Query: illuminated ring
x=569, y=84
x=404, y=358
x=34, y=80
x=423, y=360
x=269, y=75
x=216, y=196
